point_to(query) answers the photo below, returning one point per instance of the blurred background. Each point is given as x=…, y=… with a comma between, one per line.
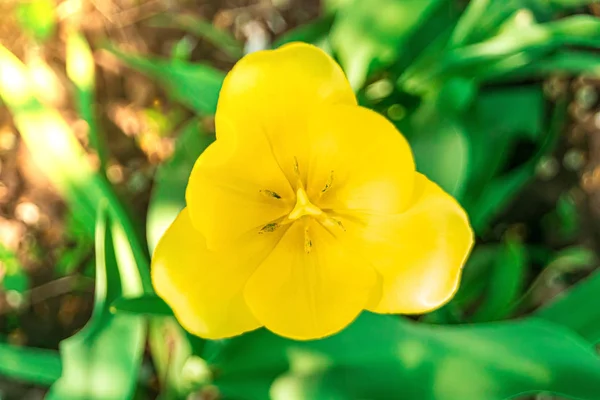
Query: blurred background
x=114, y=99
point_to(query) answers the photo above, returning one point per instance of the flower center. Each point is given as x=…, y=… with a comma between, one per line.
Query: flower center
x=303, y=206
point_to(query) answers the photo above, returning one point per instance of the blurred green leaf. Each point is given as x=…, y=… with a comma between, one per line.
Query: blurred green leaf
x=59, y=154
x=497, y=194
x=468, y=21
x=369, y=35
x=483, y=18
x=538, y=39
x=577, y=309
x=516, y=111
x=81, y=71
x=564, y=222
x=487, y=196
x=102, y=361
x=562, y=4
x=412, y=361
x=311, y=32
x=195, y=85
x=12, y=275
x=78, y=251
x=50, y=141
x=203, y=29
x=570, y=260
x=37, y=18
x=37, y=366
x=168, y=195
x=182, y=50
x=170, y=351
x=497, y=120
x=504, y=283
x=17, y=281
x=441, y=149
x=569, y=62
x=146, y=304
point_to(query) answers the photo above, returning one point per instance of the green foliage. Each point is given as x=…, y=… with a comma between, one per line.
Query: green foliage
x=147, y=304
x=412, y=361
x=12, y=275
x=102, y=361
x=195, y=85
x=505, y=283
x=573, y=309
x=313, y=32
x=31, y=365
x=370, y=35
x=37, y=18
x=81, y=71
x=202, y=29
x=462, y=81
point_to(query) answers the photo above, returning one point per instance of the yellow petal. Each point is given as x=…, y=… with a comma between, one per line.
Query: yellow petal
x=419, y=253
x=309, y=286
x=272, y=92
x=203, y=288
x=236, y=189
x=358, y=161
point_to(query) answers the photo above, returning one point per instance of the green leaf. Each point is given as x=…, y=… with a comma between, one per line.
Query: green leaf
x=468, y=21
x=371, y=34
x=483, y=18
x=203, y=29
x=484, y=205
x=146, y=305
x=30, y=365
x=170, y=351
x=568, y=62
x=193, y=84
x=569, y=260
x=80, y=67
x=50, y=140
x=441, y=149
x=576, y=309
x=505, y=283
x=385, y=357
x=168, y=195
x=562, y=5
x=12, y=274
x=497, y=120
x=37, y=18
x=579, y=30
x=311, y=32
x=102, y=361
x=497, y=194
x=59, y=154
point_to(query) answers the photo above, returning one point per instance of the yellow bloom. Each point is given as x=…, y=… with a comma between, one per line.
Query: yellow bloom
x=305, y=211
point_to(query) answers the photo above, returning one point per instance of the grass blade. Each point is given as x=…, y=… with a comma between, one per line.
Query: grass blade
x=102, y=361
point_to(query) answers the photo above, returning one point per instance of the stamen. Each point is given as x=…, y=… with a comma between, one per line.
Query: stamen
x=339, y=223
x=307, y=242
x=271, y=227
x=270, y=193
x=328, y=184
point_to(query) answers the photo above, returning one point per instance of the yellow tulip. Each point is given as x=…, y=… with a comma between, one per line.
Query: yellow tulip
x=305, y=211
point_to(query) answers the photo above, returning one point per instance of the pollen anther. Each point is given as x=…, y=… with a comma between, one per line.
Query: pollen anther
x=271, y=227
x=307, y=242
x=328, y=184
x=270, y=193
